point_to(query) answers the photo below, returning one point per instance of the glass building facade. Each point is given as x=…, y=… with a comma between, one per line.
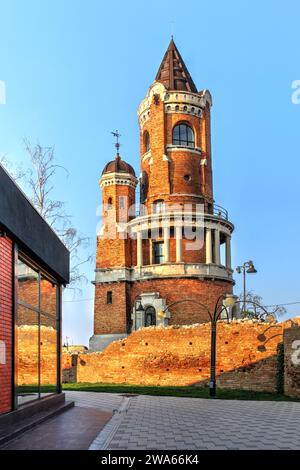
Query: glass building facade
x=34, y=267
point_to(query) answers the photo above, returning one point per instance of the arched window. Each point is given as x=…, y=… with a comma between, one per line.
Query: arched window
x=183, y=135
x=147, y=141
x=109, y=203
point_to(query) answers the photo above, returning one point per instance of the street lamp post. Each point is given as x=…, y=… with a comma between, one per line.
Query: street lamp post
x=247, y=267
x=227, y=301
x=222, y=304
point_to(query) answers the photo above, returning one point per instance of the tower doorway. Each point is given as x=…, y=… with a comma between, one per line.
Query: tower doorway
x=150, y=316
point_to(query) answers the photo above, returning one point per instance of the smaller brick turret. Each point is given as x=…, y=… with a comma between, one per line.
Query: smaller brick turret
x=114, y=250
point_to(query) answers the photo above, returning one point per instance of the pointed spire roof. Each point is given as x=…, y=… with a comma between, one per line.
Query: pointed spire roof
x=173, y=73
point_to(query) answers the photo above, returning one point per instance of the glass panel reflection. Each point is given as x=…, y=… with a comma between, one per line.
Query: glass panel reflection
x=36, y=335
x=27, y=284
x=27, y=357
x=48, y=355
x=48, y=296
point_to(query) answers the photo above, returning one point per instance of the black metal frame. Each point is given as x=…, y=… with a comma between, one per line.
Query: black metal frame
x=14, y=318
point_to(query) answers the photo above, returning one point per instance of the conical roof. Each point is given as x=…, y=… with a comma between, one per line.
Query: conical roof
x=173, y=73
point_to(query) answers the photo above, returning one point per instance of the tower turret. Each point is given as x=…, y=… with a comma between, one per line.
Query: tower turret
x=114, y=251
x=175, y=142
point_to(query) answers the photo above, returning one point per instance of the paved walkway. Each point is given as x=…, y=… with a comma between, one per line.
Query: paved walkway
x=104, y=401
x=172, y=423
x=146, y=422
x=74, y=429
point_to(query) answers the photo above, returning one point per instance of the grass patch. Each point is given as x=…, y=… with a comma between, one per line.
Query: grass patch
x=189, y=391
x=24, y=389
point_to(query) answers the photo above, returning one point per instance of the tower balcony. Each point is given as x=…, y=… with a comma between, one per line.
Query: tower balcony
x=176, y=245
x=212, y=212
x=164, y=270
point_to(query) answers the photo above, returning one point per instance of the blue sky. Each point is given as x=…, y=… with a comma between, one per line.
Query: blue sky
x=76, y=70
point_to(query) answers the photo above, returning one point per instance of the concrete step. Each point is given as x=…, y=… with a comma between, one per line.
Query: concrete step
x=12, y=430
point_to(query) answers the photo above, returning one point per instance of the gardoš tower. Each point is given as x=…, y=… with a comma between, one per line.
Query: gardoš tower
x=140, y=274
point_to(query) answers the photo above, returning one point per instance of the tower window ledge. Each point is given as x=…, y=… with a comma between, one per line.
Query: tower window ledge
x=179, y=148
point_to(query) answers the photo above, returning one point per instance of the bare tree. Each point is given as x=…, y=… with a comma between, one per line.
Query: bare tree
x=16, y=171
x=39, y=181
x=255, y=308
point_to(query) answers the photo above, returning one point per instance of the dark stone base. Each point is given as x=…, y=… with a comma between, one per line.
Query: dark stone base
x=30, y=415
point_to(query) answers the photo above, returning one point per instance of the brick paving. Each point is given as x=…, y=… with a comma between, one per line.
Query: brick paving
x=104, y=401
x=174, y=423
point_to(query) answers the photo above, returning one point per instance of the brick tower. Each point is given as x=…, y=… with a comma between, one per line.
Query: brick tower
x=171, y=249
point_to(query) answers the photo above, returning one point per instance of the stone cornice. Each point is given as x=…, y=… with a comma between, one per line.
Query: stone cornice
x=120, y=179
x=182, y=148
x=187, y=102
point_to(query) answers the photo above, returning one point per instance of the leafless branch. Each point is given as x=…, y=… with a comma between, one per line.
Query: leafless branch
x=40, y=180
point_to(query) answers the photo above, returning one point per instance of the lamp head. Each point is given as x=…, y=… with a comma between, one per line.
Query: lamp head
x=251, y=269
x=161, y=314
x=229, y=300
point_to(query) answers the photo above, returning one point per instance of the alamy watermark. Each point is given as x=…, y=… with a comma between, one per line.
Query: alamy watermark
x=171, y=220
x=2, y=92
x=296, y=353
x=296, y=93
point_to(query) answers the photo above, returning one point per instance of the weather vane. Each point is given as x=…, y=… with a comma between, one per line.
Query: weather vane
x=116, y=134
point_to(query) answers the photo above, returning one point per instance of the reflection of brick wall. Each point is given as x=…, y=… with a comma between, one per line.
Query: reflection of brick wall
x=28, y=293
x=27, y=356
x=6, y=323
x=27, y=317
x=292, y=361
x=246, y=357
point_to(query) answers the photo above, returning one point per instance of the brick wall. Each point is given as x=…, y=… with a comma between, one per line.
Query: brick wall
x=116, y=317
x=166, y=177
x=246, y=357
x=206, y=292
x=111, y=318
x=292, y=361
x=6, y=324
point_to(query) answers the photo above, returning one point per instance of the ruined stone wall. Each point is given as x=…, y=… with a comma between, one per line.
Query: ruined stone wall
x=175, y=356
x=246, y=356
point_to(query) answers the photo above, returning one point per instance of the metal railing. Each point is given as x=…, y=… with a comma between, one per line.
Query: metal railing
x=215, y=210
x=219, y=211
